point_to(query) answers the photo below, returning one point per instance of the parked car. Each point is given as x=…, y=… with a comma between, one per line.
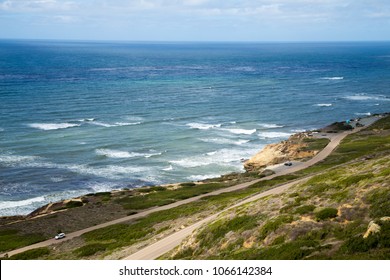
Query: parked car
x=288, y=164
x=60, y=236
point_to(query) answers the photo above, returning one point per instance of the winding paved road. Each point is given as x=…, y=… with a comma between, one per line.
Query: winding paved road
x=175, y=239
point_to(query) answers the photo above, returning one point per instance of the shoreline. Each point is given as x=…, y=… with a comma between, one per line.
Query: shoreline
x=269, y=170
x=211, y=194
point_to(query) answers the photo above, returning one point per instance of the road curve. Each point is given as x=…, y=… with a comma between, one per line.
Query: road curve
x=168, y=243
x=335, y=141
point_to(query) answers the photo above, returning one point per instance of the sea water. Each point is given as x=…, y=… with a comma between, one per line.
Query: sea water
x=81, y=117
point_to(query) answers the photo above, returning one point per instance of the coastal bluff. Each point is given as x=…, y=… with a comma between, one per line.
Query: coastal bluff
x=298, y=147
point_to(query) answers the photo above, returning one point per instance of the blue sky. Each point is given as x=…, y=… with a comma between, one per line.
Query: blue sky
x=196, y=20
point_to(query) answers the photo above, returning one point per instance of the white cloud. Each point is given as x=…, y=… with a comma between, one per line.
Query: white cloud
x=37, y=5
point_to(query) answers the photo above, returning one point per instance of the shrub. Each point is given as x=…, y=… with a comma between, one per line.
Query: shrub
x=90, y=249
x=11, y=239
x=74, y=204
x=379, y=200
x=326, y=213
x=305, y=209
x=31, y=254
x=274, y=224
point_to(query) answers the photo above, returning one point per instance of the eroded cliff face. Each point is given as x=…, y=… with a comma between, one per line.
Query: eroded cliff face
x=297, y=147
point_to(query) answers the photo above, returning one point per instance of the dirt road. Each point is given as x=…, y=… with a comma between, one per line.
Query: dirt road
x=320, y=156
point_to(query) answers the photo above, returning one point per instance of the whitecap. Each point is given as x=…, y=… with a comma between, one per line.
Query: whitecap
x=224, y=141
x=152, y=155
x=324, y=105
x=17, y=158
x=126, y=123
x=271, y=125
x=203, y=177
x=52, y=126
x=87, y=120
x=116, y=153
x=101, y=187
x=363, y=114
x=274, y=134
x=203, y=126
x=365, y=97
x=20, y=203
x=115, y=124
x=223, y=157
x=239, y=131
x=169, y=168
x=332, y=78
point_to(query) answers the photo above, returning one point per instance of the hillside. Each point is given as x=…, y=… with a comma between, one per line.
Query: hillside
x=341, y=211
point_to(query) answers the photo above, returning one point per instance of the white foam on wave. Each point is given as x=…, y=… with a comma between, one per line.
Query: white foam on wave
x=324, y=105
x=363, y=114
x=365, y=97
x=332, y=78
x=169, y=168
x=203, y=126
x=223, y=157
x=20, y=203
x=271, y=125
x=101, y=187
x=239, y=131
x=203, y=177
x=115, y=124
x=87, y=120
x=274, y=134
x=224, y=141
x=115, y=153
x=17, y=158
x=52, y=126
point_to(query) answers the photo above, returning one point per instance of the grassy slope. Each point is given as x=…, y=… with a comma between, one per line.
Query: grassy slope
x=324, y=218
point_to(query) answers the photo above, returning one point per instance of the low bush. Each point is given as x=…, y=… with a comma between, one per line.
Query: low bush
x=326, y=213
x=31, y=254
x=274, y=224
x=305, y=209
x=11, y=239
x=90, y=249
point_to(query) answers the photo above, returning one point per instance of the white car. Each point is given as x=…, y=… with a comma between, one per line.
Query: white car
x=59, y=236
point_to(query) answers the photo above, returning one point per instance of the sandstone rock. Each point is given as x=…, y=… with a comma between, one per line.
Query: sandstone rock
x=288, y=150
x=372, y=228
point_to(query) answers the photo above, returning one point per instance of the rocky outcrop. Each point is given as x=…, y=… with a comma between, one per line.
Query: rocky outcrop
x=372, y=228
x=295, y=148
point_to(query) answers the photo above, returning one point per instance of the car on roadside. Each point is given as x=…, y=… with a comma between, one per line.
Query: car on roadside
x=60, y=236
x=288, y=163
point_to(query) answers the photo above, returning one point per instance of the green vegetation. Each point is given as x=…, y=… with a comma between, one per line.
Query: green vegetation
x=31, y=254
x=326, y=213
x=274, y=224
x=220, y=228
x=12, y=239
x=287, y=251
x=305, y=209
x=315, y=144
x=156, y=197
x=90, y=249
x=74, y=204
x=379, y=200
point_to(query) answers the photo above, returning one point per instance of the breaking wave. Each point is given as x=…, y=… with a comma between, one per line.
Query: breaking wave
x=52, y=126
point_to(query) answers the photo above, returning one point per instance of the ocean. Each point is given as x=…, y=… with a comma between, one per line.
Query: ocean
x=82, y=117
